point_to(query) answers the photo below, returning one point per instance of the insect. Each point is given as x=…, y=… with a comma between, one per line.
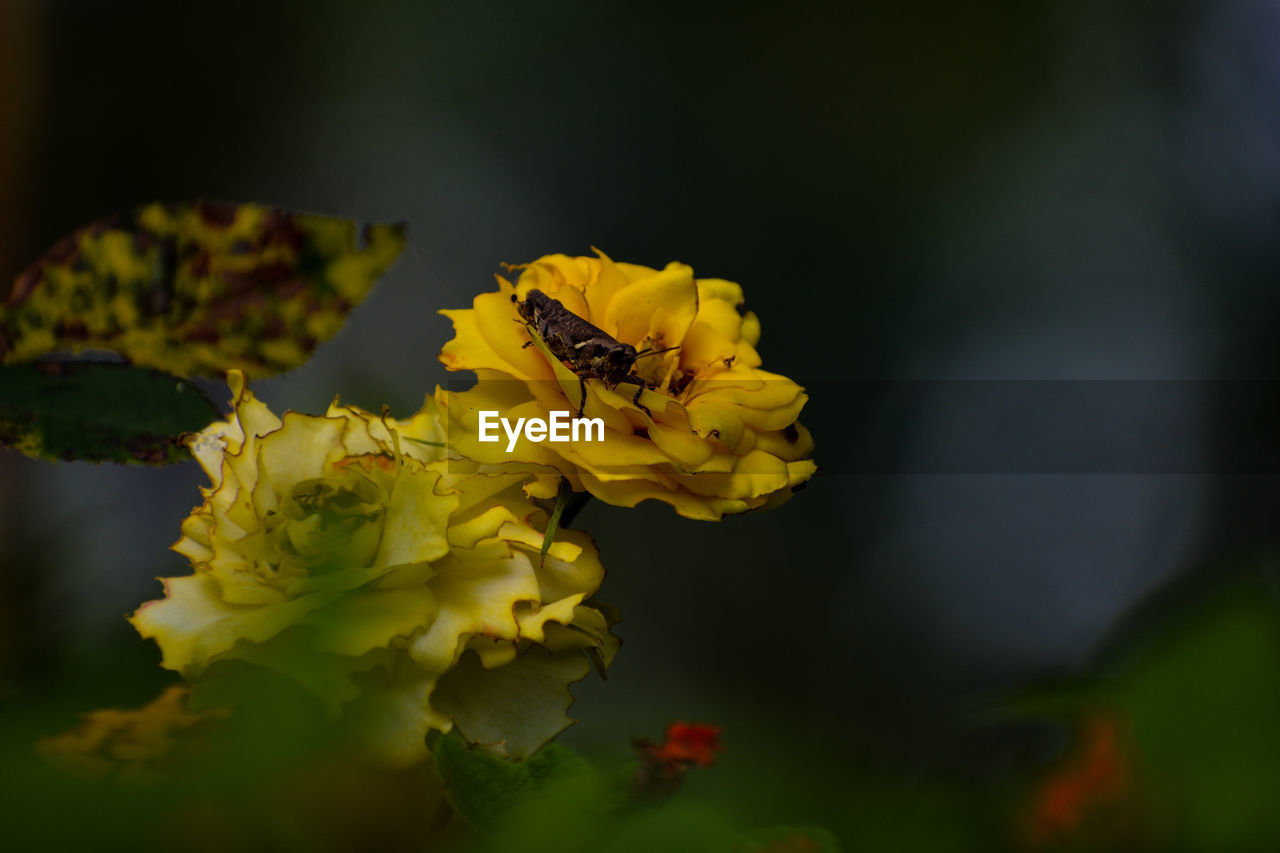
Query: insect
x=591, y=352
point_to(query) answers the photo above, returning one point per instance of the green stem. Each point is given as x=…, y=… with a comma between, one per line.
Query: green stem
x=568, y=505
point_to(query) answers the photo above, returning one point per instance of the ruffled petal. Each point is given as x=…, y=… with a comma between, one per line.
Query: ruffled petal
x=687, y=438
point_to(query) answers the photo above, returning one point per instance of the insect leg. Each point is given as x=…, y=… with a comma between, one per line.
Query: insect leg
x=582, y=401
x=640, y=388
x=636, y=399
x=529, y=342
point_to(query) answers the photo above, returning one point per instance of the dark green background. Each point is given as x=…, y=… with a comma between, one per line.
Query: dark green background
x=982, y=190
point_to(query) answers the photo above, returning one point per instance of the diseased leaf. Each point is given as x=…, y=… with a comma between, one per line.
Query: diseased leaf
x=197, y=288
x=97, y=412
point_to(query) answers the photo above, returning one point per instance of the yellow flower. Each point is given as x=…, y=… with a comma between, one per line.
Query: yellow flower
x=400, y=586
x=133, y=743
x=723, y=436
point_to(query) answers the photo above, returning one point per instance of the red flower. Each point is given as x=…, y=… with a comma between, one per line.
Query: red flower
x=1091, y=797
x=662, y=766
x=689, y=743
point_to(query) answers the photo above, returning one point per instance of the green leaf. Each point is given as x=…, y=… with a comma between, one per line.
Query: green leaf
x=98, y=412
x=557, y=801
x=674, y=827
x=197, y=288
x=790, y=839
x=1202, y=701
x=485, y=790
x=1194, y=689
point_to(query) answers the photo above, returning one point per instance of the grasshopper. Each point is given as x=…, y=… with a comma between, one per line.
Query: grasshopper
x=589, y=351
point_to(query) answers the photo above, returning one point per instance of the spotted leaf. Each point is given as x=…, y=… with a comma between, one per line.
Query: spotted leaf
x=197, y=288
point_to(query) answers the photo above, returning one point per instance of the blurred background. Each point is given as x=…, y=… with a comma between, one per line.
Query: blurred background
x=914, y=197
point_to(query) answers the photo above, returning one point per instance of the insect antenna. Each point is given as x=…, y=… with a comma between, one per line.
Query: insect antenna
x=645, y=352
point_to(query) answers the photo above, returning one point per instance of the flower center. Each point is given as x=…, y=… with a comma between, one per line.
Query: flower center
x=329, y=523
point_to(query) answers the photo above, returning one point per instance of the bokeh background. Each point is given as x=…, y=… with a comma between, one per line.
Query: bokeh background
x=913, y=196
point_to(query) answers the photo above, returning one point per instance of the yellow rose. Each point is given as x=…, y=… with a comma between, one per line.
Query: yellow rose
x=722, y=435
x=402, y=587
x=136, y=743
x=220, y=792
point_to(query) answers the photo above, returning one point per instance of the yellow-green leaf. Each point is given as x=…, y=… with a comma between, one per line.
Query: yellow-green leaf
x=197, y=288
